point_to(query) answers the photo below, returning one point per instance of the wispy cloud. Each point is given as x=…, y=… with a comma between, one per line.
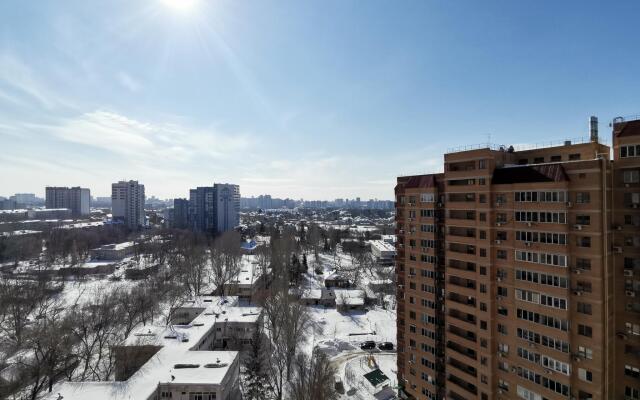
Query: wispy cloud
x=24, y=83
x=128, y=82
x=119, y=134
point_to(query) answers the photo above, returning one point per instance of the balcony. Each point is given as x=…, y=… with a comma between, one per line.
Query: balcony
x=462, y=215
x=462, y=248
x=467, y=369
x=463, y=283
x=462, y=232
x=465, y=351
x=461, y=166
x=463, y=384
x=465, y=300
x=461, y=198
x=462, y=317
x=462, y=265
x=462, y=333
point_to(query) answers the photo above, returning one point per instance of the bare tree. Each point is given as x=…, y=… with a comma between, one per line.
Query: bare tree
x=47, y=352
x=225, y=259
x=313, y=378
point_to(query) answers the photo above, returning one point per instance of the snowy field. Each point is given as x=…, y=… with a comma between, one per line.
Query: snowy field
x=340, y=334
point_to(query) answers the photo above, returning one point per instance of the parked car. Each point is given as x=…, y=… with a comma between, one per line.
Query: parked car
x=368, y=345
x=385, y=346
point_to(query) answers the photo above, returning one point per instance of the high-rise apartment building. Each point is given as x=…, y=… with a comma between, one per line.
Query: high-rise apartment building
x=180, y=214
x=77, y=199
x=625, y=241
x=127, y=203
x=214, y=209
x=516, y=273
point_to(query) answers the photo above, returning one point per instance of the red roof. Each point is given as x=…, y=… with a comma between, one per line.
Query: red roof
x=416, y=181
x=629, y=128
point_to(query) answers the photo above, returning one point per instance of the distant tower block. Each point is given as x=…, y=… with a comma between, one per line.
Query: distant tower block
x=593, y=129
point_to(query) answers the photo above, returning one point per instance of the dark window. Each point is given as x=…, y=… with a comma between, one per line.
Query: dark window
x=538, y=160
x=574, y=157
x=583, y=219
x=556, y=158
x=584, y=330
x=584, y=308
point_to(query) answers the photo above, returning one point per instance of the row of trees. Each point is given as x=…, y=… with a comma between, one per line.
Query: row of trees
x=45, y=338
x=277, y=366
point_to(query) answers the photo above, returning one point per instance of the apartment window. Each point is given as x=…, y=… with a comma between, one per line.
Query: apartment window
x=483, y=288
x=484, y=343
x=583, y=197
x=501, y=217
x=427, y=197
x=583, y=263
x=501, y=198
x=502, y=291
x=585, y=352
x=501, y=254
x=632, y=393
x=483, y=307
x=412, y=315
x=542, y=278
x=482, y=198
x=483, y=234
x=584, y=395
x=556, y=158
x=631, y=150
x=501, y=235
x=482, y=164
x=559, y=260
x=523, y=161
x=632, y=371
x=503, y=311
x=574, y=157
x=585, y=375
x=502, y=329
x=483, y=325
x=482, y=181
x=483, y=270
x=584, y=308
x=483, y=252
x=585, y=330
x=538, y=160
x=483, y=216
x=631, y=176
x=583, y=219
x=584, y=241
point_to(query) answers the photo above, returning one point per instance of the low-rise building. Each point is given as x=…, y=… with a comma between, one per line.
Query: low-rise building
x=233, y=323
x=383, y=252
x=179, y=361
x=248, y=280
x=113, y=252
x=338, y=280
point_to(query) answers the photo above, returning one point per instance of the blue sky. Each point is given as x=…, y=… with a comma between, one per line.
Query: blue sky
x=312, y=99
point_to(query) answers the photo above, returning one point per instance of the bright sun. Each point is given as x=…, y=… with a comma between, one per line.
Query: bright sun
x=181, y=5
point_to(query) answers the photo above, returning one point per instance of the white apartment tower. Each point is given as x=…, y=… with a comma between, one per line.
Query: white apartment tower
x=127, y=203
x=228, y=207
x=76, y=199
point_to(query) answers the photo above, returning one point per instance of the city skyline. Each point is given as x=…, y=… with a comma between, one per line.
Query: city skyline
x=180, y=97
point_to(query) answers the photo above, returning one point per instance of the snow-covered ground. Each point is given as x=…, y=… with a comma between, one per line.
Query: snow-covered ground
x=340, y=334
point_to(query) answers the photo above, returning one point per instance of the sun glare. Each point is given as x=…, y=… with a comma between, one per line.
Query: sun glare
x=181, y=5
